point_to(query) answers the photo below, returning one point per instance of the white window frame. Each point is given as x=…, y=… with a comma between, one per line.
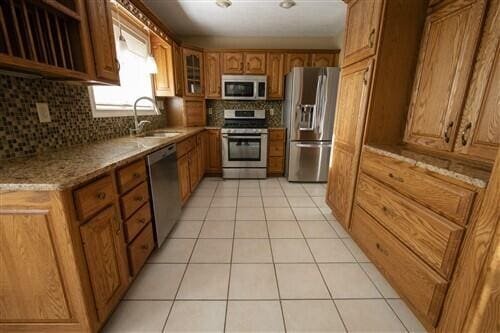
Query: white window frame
x=125, y=110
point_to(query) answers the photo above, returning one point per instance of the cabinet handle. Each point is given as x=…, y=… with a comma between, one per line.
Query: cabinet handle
x=379, y=247
x=370, y=38
x=144, y=247
x=399, y=179
x=385, y=209
x=136, y=174
x=118, y=66
x=465, y=134
x=142, y=221
x=119, y=225
x=139, y=198
x=447, y=132
x=101, y=195
x=365, y=79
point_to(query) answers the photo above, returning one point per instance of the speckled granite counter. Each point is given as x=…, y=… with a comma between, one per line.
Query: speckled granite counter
x=71, y=166
x=445, y=166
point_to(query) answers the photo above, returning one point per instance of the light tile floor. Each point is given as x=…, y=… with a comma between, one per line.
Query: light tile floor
x=260, y=256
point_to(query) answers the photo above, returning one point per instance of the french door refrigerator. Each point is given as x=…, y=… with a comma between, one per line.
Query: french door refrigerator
x=308, y=115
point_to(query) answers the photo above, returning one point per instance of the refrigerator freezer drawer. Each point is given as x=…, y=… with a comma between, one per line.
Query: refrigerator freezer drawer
x=308, y=161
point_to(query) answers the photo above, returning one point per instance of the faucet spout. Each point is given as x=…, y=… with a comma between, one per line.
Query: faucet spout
x=139, y=126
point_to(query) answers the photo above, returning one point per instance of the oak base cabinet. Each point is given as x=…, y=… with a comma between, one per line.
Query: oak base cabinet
x=214, y=160
x=191, y=164
x=276, y=152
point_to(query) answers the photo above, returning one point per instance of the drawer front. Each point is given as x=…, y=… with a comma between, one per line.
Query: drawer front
x=134, y=199
x=276, y=135
x=275, y=164
x=137, y=221
x=93, y=197
x=447, y=199
x=276, y=148
x=420, y=285
x=131, y=175
x=140, y=249
x=185, y=146
x=432, y=237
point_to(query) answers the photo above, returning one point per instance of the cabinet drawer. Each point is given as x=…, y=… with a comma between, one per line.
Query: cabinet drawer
x=448, y=199
x=131, y=175
x=416, y=282
x=432, y=237
x=140, y=249
x=276, y=148
x=185, y=146
x=93, y=197
x=276, y=135
x=275, y=164
x=137, y=221
x=134, y=199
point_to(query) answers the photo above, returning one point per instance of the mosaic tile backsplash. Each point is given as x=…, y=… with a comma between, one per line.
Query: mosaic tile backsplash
x=22, y=134
x=218, y=106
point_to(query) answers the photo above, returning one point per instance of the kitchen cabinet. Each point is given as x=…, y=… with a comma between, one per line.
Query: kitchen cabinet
x=187, y=111
x=193, y=72
x=194, y=171
x=275, y=75
x=255, y=63
x=184, y=183
x=276, y=152
x=362, y=31
x=232, y=63
x=213, y=75
x=164, y=79
x=443, y=73
x=296, y=60
x=323, y=60
x=189, y=164
x=214, y=160
x=178, y=70
x=202, y=152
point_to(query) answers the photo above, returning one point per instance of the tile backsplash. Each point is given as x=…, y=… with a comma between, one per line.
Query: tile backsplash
x=218, y=106
x=22, y=134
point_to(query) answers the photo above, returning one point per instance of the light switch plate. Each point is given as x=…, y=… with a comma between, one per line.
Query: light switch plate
x=43, y=112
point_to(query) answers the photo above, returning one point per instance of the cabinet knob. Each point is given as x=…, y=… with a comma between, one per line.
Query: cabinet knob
x=465, y=134
x=136, y=174
x=379, y=247
x=447, y=132
x=101, y=195
x=139, y=198
x=399, y=179
x=144, y=247
x=142, y=221
x=370, y=38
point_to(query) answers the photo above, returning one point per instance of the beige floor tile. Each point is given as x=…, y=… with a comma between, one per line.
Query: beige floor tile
x=223, y=191
x=348, y=280
x=270, y=183
x=319, y=191
x=228, y=183
x=208, y=184
x=186, y=229
x=221, y=213
x=249, y=183
x=194, y=213
x=156, y=281
x=284, y=229
x=173, y=250
x=327, y=212
x=205, y=281
x=279, y=214
x=250, y=229
x=317, y=229
x=275, y=202
x=249, y=202
x=301, y=202
x=378, y=279
x=223, y=202
x=253, y=281
x=196, y=316
x=291, y=250
x=409, y=320
x=311, y=316
x=308, y=214
x=198, y=201
x=272, y=192
x=138, y=316
x=320, y=201
x=205, y=192
x=249, y=192
x=294, y=192
x=330, y=250
x=212, y=251
x=300, y=281
x=250, y=214
x=254, y=316
x=217, y=229
x=252, y=251
x=355, y=250
x=368, y=315
x=339, y=229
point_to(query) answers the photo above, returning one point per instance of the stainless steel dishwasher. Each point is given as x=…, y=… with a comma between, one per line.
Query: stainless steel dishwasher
x=162, y=167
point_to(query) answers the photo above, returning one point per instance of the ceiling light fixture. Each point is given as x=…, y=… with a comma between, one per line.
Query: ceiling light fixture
x=287, y=4
x=223, y=3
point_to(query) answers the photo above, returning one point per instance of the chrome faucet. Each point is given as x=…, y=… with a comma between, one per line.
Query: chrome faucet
x=139, y=126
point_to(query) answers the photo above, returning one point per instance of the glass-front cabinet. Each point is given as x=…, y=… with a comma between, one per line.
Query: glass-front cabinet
x=193, y=72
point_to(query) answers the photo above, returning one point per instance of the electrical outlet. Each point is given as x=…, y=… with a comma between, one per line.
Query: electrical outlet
x=210, y=111
x=271, y=112
x=43, y=112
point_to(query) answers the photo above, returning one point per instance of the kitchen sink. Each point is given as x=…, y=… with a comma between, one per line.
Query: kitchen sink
x=162, y=134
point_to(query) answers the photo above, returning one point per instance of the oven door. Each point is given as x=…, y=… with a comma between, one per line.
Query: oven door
x=239, y=90
x=244, y=150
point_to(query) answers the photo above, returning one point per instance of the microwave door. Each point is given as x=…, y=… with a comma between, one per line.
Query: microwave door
x=239, y=90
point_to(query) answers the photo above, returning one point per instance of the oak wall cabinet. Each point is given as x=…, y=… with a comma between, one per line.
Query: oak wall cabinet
x=275, y=75
x=212, y=75
x=232, y=63
x=178, y=70
x=323, y=60
x=252, y=63
x=193, y=72
x=187, y=111
x=163, y=54
x=296, y=60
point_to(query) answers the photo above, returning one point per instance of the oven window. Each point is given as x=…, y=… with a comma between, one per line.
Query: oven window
x=243, y=149
x=239, y=89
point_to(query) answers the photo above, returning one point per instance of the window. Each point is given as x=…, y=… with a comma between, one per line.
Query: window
x=135, y=81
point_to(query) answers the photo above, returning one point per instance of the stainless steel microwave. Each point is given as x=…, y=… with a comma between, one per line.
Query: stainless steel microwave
x=244, y=87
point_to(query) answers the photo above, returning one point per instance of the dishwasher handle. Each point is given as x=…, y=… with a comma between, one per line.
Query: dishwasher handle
x=161, y=154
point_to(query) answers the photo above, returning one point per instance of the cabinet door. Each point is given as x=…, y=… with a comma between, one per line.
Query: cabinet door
x=232, y=63
x=103, y=41
x=104, y=249
x=164, y=79
x=178, y=71
x=183, y=171
x=296, y=60
x=255, y=63
x=362, y=28
x=193, y=73
x=323, y=60
x=349, y=123
x=193, y=169
x=195, y=112
x=479, y=133
x=201, y=152
x=214, y=151
x=275, y=75
x=213, y=75
x=446, y=53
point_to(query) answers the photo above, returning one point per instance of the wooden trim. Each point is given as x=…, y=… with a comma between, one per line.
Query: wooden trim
x=242, y=50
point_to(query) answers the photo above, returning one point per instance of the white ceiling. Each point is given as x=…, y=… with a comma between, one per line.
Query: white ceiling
x=252, y=18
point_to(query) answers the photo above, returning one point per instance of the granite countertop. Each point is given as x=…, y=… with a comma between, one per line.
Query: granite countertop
x=65, y=168
x=445, y=166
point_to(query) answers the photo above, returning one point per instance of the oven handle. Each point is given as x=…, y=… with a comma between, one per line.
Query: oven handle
x=301, y=145
x=243, y=136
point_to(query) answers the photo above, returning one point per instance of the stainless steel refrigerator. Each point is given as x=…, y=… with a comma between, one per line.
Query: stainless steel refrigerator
x=308, y=115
